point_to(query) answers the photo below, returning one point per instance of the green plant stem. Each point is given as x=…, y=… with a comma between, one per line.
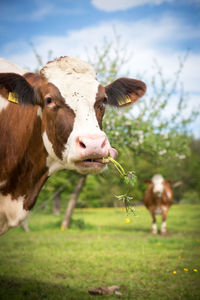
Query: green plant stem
x=117, y=166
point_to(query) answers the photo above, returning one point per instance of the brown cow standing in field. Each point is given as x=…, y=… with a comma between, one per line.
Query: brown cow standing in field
x=158, y=199
x=52, y=121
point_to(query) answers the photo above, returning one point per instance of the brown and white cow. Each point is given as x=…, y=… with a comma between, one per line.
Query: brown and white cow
x=61, y=128
x=158, y=199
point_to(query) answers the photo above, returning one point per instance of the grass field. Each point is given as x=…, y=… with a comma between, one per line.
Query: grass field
x=101, y=249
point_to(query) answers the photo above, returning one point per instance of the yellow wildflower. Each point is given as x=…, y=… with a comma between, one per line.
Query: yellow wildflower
x=127, y=220
x=185, y=269
x=62, y=228
x=195, y=270
x=174, y=272
x=158, y=243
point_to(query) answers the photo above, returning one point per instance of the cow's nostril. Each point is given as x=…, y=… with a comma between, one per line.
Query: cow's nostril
x=82, y=145
x=103, y=144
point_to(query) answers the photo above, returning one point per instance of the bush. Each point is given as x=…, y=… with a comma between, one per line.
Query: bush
x=191, y=197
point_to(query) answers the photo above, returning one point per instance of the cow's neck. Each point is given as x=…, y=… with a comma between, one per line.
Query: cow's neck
x=29, y=171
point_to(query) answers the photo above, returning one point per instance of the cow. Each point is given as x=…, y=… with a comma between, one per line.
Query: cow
x=158, y=199
x=52, y=121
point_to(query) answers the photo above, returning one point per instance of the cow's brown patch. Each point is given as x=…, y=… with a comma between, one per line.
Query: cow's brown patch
x=100, y=104
x=58, y=118
x=4, y=92
x=16, y=132
x=22, y=153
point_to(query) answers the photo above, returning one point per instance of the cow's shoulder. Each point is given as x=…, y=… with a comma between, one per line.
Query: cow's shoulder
x=168, y=193
x=17, y=124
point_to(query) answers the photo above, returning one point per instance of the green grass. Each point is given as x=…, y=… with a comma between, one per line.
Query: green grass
x=50, y=264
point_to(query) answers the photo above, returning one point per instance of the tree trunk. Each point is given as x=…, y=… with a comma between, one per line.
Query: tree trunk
x=72, y=202
x=44, y=203
x=56, y=204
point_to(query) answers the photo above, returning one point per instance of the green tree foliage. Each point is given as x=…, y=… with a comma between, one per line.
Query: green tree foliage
x=149, y=139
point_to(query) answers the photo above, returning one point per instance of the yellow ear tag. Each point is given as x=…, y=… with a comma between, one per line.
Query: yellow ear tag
x=124, y=100
x=12, y=97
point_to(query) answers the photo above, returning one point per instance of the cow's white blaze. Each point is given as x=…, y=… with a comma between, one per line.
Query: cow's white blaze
x=3, y=103
x=12, y=212
x=77, y=83
x=158, y=186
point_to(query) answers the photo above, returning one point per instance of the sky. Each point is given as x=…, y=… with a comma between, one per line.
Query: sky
x=164, y=31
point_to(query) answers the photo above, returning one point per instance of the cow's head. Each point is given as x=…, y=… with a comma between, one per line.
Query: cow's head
x=72, y=104
x=158, y=184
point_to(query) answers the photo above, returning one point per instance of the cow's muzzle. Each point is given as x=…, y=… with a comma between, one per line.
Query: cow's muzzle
x=93, y=152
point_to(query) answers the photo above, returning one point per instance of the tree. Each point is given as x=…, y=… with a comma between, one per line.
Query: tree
x=151, y=139
x=72, y=202
x=56, y=200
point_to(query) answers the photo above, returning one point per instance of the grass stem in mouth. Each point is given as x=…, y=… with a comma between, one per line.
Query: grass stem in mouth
x=117, y=166
x=129, y=178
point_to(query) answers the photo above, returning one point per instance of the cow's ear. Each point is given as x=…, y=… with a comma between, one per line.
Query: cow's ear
x=168, y=181
x=19, y=90
x=147, y=181
x=124, y=91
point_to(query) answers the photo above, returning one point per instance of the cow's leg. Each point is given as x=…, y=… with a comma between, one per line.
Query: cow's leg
x=3, y=223
x=164, y=218
x=154, y=225
x=24, y=225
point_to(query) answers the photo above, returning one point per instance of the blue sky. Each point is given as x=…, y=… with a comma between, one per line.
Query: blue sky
x=152, y=29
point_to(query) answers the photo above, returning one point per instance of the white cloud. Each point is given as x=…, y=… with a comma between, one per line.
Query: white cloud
x=145, y=40
x=115, y=5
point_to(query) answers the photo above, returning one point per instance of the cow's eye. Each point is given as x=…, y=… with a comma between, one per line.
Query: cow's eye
x=103, y=104
x=105, y=100
x=49, y=100
x=102, y=107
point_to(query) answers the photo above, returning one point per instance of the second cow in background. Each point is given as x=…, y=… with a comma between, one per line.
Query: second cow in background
x=158, y=199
